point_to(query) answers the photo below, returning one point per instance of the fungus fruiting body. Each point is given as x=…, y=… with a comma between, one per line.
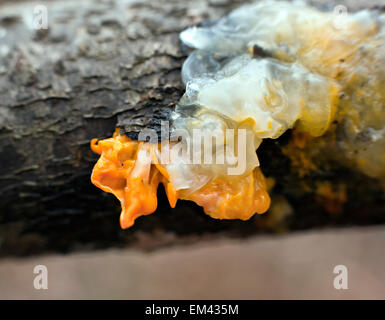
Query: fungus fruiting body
x=131, y=171
x=263, y=69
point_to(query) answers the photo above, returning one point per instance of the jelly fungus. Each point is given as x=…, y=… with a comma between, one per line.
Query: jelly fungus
x=265, y=68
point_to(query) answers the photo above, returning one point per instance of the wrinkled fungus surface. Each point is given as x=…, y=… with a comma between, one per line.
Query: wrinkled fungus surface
x=265, y=68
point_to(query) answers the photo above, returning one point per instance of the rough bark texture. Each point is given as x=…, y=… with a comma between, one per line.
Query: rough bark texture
x=98, y=62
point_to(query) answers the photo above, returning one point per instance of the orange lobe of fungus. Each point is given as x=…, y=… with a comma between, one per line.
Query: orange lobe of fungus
x=233, y=197
x=130, y=171
x=125, y=170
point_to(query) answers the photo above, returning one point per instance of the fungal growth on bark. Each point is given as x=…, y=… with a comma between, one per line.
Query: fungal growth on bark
x=263, y=69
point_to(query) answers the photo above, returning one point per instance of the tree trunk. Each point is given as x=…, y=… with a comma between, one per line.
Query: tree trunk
x=100, y=62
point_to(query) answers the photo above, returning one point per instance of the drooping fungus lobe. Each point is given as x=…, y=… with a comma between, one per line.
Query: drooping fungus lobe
x=125, y=170
x=263, y=69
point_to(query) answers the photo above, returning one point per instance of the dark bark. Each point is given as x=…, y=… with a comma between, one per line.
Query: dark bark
x=97, y=62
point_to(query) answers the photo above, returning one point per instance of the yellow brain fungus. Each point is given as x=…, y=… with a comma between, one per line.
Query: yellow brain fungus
x=125, y=170
x=233, y=198
x=130, y=171
x=265, y=68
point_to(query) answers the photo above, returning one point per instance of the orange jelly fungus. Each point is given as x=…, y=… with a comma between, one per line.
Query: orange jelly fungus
x=129, y=170
x=234, y=197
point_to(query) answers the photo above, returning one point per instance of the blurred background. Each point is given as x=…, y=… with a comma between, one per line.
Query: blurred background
x=298, y=266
